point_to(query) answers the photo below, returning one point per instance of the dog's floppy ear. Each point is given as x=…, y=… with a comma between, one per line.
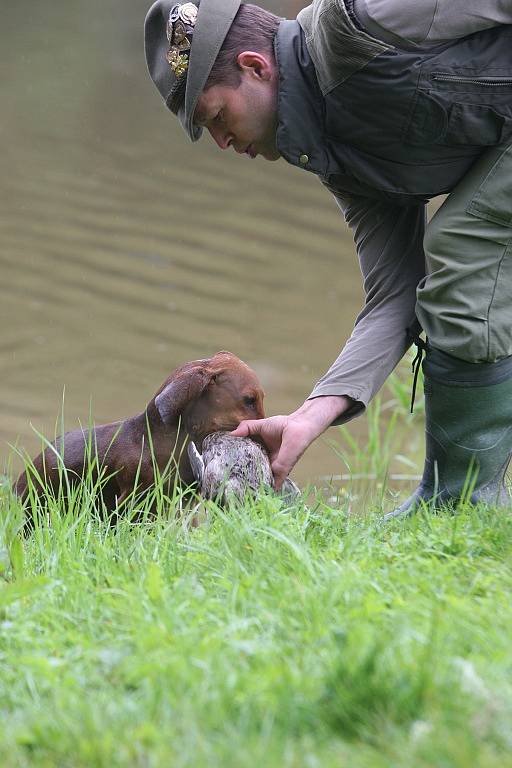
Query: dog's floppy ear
x=184, y=387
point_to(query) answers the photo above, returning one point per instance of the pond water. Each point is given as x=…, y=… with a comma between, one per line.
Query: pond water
x=125, y=250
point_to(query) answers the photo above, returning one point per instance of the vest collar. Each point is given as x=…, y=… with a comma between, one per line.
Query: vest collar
x=300, y=107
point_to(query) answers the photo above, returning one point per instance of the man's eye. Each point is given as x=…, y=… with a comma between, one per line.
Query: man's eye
x=218, y=117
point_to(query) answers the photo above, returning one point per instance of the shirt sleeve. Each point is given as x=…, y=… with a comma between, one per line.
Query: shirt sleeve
x=389, y=243
x=430, y=21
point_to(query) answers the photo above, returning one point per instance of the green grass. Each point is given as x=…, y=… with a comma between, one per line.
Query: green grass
x=266, y=636
x=271, y=636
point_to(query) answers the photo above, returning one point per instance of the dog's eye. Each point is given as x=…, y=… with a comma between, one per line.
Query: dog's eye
x=250, y=402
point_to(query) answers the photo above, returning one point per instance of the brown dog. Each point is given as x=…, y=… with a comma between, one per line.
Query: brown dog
x=198, y=398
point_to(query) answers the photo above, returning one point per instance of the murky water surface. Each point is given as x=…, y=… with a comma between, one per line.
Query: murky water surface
x=125, y=250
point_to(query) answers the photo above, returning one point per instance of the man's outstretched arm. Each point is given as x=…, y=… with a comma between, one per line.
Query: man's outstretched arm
x=389, y=242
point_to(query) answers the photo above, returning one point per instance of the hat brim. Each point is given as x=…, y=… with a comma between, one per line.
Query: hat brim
x=213, y=23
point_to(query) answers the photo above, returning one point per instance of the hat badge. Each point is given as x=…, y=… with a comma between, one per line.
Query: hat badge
x=180, y=28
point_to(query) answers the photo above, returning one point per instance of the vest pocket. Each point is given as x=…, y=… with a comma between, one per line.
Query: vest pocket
x=484, y=81
x=474, y=124
x=449, y=123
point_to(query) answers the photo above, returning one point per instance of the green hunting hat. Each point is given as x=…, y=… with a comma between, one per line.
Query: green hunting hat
x=182, y=41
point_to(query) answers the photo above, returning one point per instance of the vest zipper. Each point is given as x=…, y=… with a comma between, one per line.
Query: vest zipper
x=446, y=77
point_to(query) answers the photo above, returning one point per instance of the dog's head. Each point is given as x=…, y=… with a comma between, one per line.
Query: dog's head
x=210, y=395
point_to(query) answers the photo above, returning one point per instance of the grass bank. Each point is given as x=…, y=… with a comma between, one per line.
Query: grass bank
x=267, y=636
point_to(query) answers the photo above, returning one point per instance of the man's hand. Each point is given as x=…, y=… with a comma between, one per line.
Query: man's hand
x=287, y=437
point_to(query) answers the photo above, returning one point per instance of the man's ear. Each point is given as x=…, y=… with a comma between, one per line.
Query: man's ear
x=186, y=387
x=259, y=64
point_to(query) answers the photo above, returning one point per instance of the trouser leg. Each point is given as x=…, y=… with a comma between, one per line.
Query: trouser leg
x=464, y=305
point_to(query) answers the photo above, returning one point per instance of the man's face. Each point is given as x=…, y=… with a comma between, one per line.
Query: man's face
x=243, y=117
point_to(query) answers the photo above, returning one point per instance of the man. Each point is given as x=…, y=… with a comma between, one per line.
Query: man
x=389, y=104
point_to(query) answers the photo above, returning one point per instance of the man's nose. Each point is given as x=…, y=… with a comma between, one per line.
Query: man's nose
x=222, y=138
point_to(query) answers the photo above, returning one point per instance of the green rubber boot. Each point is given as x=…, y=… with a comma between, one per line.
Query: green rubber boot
x=468, y=431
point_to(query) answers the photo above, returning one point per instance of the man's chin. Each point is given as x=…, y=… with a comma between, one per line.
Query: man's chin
x=271, y=154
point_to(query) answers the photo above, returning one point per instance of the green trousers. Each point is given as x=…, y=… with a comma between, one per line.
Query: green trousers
x=465, y=303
